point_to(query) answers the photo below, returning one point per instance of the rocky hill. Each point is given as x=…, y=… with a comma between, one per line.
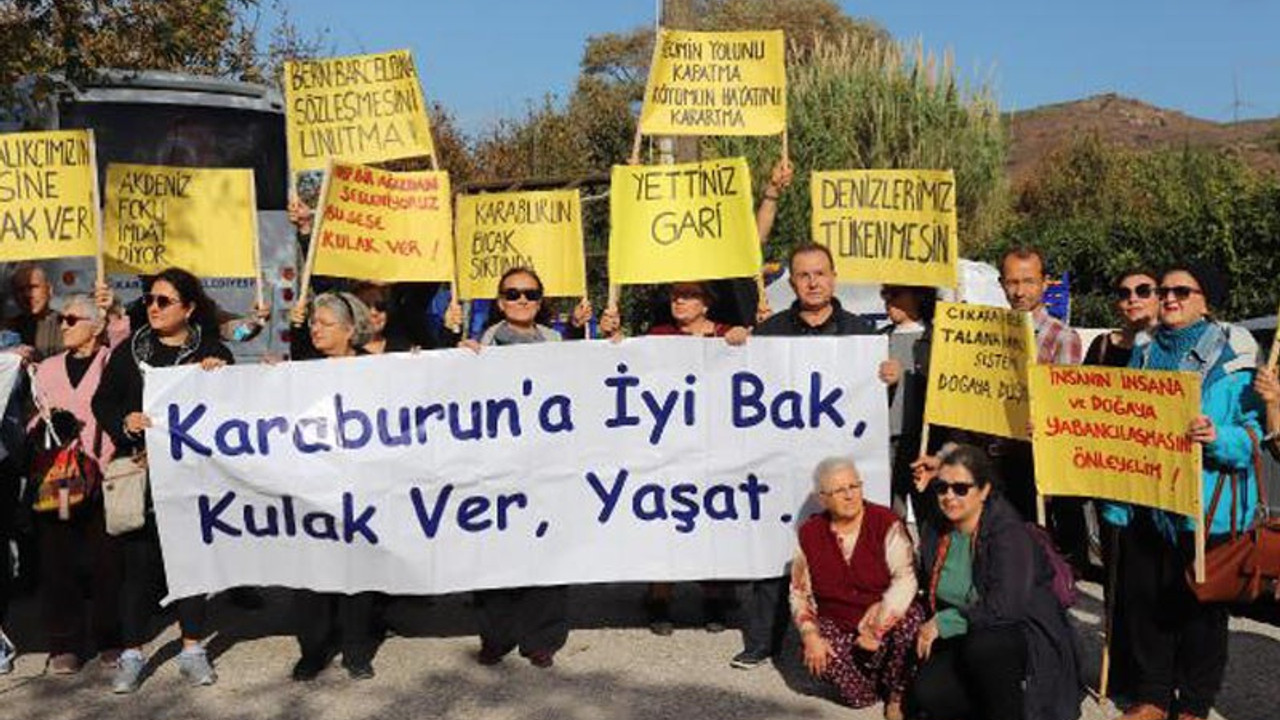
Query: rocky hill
x=1134, y=124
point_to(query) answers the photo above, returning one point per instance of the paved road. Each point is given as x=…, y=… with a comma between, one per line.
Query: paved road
x=612, y=669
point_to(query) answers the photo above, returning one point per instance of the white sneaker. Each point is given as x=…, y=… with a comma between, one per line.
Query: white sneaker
x=7, y=653
x=194, y=666
x=128, y=673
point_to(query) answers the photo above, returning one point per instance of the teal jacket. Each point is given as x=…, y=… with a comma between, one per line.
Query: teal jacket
x=1225, y=357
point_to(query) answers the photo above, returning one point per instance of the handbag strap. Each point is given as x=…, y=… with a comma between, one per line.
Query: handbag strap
x=1213, y=505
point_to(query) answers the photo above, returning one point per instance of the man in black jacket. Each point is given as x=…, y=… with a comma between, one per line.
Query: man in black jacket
x=814, y=312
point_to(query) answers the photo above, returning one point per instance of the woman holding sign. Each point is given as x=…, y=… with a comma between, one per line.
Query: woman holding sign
x=177, y=313
x=535, y=619
x=340, y=326
x=998, y=645
x=1179, y=644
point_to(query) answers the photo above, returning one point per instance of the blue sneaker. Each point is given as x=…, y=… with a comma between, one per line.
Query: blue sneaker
x=194, y=665
x=7, y=653
x=128, y=675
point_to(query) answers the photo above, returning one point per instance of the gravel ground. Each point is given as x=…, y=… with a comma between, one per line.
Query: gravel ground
x=611, y=668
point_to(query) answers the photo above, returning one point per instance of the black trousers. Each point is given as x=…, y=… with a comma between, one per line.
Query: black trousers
x=1178, y=645
x=8, y=510
x=977, y=676
x=72, y=551
x=145, y=585
x=766, y=616
x=329, y=621
x=535, y=619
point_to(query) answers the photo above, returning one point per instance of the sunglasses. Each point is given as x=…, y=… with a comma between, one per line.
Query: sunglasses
x=942, y=487
x=379, y=305
x=514, y=294
x=1142, y=291
x=1179, y=292
x=161, y=301
x=71, y=320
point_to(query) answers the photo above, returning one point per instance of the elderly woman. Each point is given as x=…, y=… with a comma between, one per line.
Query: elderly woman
x=177, y=313
x=340, y=326
x=997, y=645
x=1179, y=645
x=852, y=585
x=534, y=619
x=64, y=388
x=690, y=303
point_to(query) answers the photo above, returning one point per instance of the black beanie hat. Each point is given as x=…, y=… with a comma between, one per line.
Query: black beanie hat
x=1211, y=281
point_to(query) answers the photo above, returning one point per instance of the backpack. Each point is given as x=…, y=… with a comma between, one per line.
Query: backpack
x=1064, y=579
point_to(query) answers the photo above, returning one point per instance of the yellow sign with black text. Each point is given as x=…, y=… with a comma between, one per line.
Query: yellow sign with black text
x=48, y=195
x=538, y=230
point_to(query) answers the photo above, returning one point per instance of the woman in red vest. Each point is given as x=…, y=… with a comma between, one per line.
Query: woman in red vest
x=852, y=590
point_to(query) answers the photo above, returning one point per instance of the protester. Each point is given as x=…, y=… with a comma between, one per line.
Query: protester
x=341, y=326
x=690, y=303
x=178, y=311
x=36, y=322
x=1179, y=645
x=534, y=619
x=377, y=298
x=906, y=373
x=998, y=644
x=852, y=587
x=815, y=312
x=1268, y=388
x=1135, y=303
x=63, y=389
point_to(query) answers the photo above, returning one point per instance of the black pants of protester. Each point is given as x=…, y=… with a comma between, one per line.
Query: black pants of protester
x=332, y=621
x=71, y=552
x=1178, y=644
x=1070, y=530
x=8, y=508
x=535, y=619
x=145, y=585
x=766, y=616
x=977, y=676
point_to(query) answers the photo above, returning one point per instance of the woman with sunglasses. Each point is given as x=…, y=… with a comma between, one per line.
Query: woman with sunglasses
x=178, y=316
x=1178, y=644
x=534, y=619
x=377, y=298
x=64, y=386
x=1134, y=295
x=998, y=644
x=340, y=326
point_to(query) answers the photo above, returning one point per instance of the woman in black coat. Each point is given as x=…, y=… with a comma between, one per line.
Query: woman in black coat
x=998, y=644
x=176, y=333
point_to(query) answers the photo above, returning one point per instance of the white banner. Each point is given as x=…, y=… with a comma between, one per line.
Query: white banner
x=651, y=459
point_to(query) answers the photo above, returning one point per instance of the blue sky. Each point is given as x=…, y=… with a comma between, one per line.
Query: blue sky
x=488, y=59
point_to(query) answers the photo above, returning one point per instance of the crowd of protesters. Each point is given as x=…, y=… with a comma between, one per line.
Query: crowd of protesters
x=962, y=615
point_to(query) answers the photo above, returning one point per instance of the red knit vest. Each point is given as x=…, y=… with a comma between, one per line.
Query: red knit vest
x=844, y=591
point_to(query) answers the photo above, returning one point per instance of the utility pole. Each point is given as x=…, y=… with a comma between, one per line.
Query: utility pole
x=677, y=14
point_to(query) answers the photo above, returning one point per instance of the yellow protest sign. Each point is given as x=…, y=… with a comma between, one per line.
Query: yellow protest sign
x=716, y=83
x=384, y=226
x=199, y=219
x=48, y=195
x=673, y=223
x=1117, y=434
x=359, y=108
x=538, y=230
x=978, y=369
x=888, y=226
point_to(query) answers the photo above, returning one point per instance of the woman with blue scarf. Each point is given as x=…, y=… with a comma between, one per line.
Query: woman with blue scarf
x=1179, y=644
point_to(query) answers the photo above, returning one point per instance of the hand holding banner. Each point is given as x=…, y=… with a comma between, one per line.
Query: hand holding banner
x=202, y=220
x=978, y=370
x=538, y=230
x=384, y=226
x=673, y=223
x=888, y=226
x=716, y=83
x=360, y=108
x=1118, y=434
x=48, y=195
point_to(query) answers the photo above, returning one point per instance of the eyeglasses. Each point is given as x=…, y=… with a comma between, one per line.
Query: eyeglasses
x=1179, y=292
x=71, y=320
x=514, y=294
x=846, y=490
x=942, y=487
x=161, y=301
x=1142, y=291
